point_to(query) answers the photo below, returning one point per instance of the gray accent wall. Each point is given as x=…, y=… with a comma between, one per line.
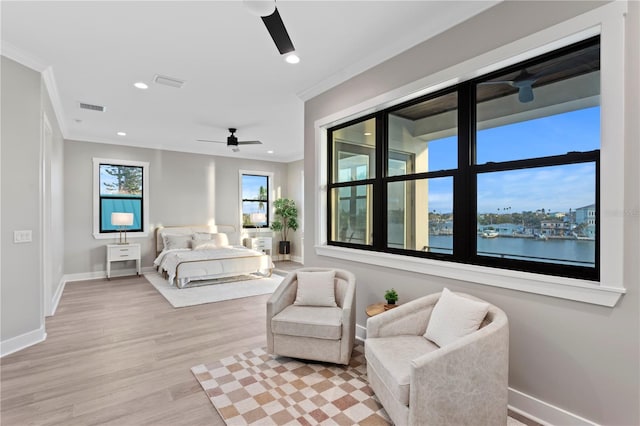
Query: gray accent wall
x=27, y=174
x=20, y=289
x=575, y=356
x=184, y=189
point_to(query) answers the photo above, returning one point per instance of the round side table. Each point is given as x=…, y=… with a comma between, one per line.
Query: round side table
x=378, y=308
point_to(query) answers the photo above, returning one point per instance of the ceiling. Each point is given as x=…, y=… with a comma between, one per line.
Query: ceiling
x=93, y=52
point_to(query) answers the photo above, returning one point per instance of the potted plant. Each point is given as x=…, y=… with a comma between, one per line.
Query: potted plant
x=285, y=218
x=391, y=296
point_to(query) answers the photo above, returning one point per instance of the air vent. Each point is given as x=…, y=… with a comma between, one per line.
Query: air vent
x=168, y=81
x=99, y=108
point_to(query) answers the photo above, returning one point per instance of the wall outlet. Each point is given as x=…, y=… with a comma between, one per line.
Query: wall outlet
x=22, y=236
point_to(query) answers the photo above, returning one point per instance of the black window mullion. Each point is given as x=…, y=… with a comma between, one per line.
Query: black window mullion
x=379, y=186
x=464, y=188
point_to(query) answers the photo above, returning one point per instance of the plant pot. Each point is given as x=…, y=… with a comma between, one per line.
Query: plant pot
x=391, y=302
x=284, y=247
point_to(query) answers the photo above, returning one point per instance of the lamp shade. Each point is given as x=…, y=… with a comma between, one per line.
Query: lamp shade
x=258, y=218
x=122, y=219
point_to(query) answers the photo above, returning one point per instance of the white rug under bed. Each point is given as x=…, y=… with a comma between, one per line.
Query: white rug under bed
x=216, y=292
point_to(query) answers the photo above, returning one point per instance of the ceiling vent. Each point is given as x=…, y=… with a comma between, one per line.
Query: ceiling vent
x=168, y=81
x=90, y=107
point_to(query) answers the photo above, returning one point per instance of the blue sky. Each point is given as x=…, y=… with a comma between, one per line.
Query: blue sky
x=555, y=188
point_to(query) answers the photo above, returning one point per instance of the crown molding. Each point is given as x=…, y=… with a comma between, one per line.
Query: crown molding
x=22, y=57
x=56, y=102
x=30, y=61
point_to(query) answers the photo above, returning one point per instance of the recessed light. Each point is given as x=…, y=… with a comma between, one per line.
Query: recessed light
x=367, y=133
x=141, y=85
x=121, y=134
x=270, y=151
x=292, y=58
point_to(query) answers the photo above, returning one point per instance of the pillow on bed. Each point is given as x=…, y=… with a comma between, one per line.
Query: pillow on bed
x=203, y=245
x=220, y=239
x=202, y=236
x=176, y=241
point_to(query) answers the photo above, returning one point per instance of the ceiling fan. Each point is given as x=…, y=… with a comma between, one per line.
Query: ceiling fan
x=523, y=82
x=268, y=11
x=232, y=141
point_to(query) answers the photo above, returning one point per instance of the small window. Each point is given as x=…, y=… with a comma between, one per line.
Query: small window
x=120, y=192
x=255, y=201
x=120, y=186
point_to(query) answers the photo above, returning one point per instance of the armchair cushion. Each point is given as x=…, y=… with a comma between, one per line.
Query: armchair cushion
x=309, y=321
x=391, y=358
x=316, y=288
x=454, y=317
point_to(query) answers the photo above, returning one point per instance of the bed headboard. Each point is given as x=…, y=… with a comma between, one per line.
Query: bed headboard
x=230, y=230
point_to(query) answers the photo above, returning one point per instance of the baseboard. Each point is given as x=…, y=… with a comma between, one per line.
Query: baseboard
x=361, y=332
x=57, y=296
x=83, y=276
x=543, y=412
x=22, y=341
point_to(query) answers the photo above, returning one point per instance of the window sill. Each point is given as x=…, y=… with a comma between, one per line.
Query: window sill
x=116, y=235
x=564, y=288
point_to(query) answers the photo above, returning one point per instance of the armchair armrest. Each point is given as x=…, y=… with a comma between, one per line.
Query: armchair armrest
x=410, y=318
x=284, y=296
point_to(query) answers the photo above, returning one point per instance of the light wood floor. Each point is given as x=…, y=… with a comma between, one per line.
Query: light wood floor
x=118, y=353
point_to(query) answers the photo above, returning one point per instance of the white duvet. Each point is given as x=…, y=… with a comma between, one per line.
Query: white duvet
x=190, y=265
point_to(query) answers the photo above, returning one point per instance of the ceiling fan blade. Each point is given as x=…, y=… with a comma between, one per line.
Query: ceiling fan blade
x=509, y=82
x=249, y=142
x=207, y=140
x=278, y=32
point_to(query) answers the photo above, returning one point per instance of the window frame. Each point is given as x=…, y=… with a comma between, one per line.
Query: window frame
x=97, y=232
x=607, y=21
x=270, y=194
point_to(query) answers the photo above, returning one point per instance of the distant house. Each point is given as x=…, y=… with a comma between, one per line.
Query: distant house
x=586, y=219
x=554, y=227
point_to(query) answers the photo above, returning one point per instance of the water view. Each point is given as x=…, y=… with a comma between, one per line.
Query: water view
x=554, y=250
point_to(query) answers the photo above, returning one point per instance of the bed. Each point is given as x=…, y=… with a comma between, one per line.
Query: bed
x=196, y=255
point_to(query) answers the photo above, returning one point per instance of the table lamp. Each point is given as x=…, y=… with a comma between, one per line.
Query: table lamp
x=122, y=220
x=258, y=218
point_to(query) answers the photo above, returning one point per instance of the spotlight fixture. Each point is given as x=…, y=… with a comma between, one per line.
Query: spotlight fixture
x=292, y=58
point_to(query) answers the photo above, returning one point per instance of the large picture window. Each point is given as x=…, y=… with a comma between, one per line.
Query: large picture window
x=498, y=171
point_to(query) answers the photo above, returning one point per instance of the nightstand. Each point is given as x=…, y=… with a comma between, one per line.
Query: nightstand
x=263, y=244
x=121, y=252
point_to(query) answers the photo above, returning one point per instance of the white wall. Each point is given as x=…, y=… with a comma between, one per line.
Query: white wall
x=581, y=359
x=295, y=190
x=53, y=182
x=184, y=189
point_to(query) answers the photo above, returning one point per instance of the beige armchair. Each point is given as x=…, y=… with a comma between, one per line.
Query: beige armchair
x=312, y=332
x=418, y=383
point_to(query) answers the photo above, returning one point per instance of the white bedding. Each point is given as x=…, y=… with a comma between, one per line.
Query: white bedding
x=183, y=266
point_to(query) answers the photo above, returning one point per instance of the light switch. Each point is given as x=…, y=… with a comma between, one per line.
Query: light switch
x=22, y=236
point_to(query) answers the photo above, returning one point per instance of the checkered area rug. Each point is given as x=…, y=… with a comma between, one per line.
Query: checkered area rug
x=255, y=388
